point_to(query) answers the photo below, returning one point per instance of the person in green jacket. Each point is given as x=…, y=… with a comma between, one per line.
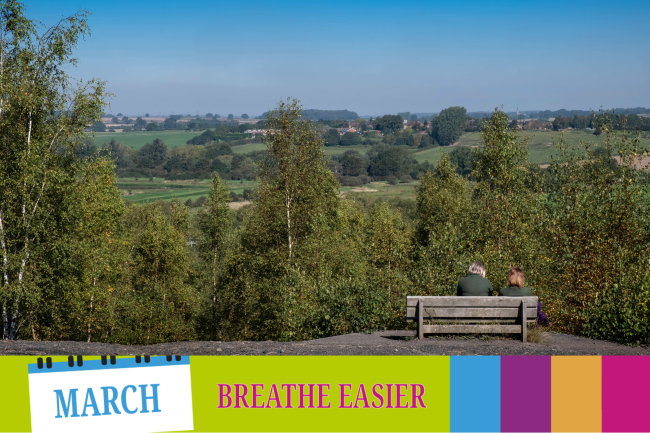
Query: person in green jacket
x=475, y=283
x=515, y=282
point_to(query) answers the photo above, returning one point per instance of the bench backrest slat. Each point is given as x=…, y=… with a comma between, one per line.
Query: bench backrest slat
x=470, y=301
x=440, y=312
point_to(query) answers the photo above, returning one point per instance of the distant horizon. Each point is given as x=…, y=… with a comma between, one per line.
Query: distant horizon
x=253, y=116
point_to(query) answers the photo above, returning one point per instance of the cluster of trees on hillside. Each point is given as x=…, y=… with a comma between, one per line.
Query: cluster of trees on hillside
x=548, y=114
x=383, y=162
x=315, y=115
x=445, y=129
x=311, y=114
x=171, y=123
x=185, y=162
x=224, y=133
x=596, y=120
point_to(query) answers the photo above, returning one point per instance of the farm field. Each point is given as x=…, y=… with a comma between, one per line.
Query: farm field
x=136, y=140
x=540, y=147
x=246, y=148
x=540, y=144
x=144, y=191
x=383, y=189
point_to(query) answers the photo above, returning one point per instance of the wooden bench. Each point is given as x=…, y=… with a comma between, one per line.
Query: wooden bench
x=471, y=314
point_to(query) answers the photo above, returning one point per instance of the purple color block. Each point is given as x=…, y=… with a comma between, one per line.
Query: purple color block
x=525, y=408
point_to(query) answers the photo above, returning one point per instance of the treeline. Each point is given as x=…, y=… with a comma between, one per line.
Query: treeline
x=596, y=121
x=548, y=114
x=223, y=133
x=383, y=162
x=155, y=159
x=172, y=123
x=316, y=115
x=311, y=114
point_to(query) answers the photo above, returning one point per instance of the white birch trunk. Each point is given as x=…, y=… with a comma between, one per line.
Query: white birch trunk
x=288, y=204
x=4, y=251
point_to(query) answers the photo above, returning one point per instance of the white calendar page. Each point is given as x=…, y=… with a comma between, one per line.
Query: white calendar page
x=123, y=397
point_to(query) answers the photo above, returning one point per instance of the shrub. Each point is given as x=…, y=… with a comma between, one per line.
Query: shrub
x=619, y=313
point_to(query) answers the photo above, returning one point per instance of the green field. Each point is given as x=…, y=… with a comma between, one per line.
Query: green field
x=144, y=191
x=136, y=140
x=245, y=148
x=540, y=144
x=540, y=147
x=384, y=190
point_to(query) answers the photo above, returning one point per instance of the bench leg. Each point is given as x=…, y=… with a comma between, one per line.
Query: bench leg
x=524, y=321
x=420, y=319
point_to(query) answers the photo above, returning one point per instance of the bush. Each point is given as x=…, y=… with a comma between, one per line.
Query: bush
x=619, y=314
x=353, y=180
x=350, y=139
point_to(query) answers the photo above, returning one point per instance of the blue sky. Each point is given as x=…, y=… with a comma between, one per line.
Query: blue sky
x=372, y=57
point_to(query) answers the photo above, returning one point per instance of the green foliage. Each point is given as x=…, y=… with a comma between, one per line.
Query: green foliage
x=463, y=159
x=449, y=125
x=153, y=153
x=283, y=242
x=154, y=303
x=215, y=222
x=619, y=314
x=351, y=139
x=332, y=137
x=353, y=163
x=444, y=236
x=390, y=161
x=38, y=169
x=389, y=123
x=598, y=236
x=509, y=214
x=327, y=115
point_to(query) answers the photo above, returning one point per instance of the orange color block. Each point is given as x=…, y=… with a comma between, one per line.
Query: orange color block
x=576, y=394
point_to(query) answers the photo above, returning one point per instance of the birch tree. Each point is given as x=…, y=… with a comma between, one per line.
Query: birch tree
x=215, y=222
x=43, y=113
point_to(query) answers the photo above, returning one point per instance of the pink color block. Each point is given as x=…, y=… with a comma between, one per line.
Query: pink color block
x=626, y=393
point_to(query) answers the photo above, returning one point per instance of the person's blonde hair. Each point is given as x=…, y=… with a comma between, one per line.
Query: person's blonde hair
x=477, y=268
x=515, y=278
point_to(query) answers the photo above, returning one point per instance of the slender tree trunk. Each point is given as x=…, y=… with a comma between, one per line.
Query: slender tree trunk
x=5, y=321
x=13, y=331
x=90, y=318
x=214, y=292
x=92, y=300
x=3, y=245
x=288, y=204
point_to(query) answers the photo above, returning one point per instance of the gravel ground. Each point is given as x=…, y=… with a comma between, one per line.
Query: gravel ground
x=378, y=343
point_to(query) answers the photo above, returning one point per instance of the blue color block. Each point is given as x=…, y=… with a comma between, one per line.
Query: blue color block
x=475, y=393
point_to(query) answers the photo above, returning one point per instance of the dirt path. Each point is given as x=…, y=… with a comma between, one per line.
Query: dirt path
x=378, y=343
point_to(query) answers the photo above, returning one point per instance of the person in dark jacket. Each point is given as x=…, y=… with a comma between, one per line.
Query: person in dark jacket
x=515, y=282
x=475, y=283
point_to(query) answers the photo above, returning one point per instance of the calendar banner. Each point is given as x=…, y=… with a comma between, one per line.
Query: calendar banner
x=324, y=393
x=134, y=394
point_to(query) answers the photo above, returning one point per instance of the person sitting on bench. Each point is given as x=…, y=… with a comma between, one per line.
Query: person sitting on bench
x=515, y=282
x=475, y=283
